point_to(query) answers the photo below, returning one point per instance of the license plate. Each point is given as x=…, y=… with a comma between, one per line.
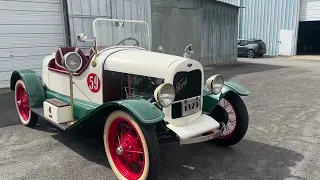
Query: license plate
x=190, y=106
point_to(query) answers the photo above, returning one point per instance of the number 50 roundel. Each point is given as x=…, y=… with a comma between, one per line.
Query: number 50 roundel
x=93, y=82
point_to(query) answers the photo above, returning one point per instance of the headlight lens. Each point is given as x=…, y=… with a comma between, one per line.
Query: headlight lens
x=215, y=83
x=165, y=94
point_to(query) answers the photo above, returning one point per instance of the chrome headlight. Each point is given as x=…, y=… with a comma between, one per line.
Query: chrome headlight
x=215, y=83
x=165, y=94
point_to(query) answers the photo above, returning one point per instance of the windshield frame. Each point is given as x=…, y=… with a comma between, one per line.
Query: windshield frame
x=94, y=30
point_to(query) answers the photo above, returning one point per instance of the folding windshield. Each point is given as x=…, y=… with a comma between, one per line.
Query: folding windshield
x=113, y=32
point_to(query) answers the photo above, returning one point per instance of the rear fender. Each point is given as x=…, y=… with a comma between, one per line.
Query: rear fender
x=34, y=86
x=211, y=100
x=143, y=110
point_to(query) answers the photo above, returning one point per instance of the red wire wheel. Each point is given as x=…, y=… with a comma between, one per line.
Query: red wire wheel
x=132, y=148
x=231, y=111
x=22, y=104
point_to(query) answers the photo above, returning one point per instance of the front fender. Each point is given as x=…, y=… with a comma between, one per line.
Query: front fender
x=33, y=84
x=141, y=109
x=235, y=87
x=211, y=100
x=145, y=111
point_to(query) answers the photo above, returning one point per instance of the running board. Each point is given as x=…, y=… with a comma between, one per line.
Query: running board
x=40, y=112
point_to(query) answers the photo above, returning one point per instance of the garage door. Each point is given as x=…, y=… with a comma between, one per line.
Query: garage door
x=29, y=30
x=310, y=10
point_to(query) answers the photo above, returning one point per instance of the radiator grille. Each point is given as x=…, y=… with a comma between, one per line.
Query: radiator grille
x=187, y=84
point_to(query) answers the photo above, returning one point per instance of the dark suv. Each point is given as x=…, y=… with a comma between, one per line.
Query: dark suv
x=251, y=48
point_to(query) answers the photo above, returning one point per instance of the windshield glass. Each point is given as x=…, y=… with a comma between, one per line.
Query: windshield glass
x=112, y=32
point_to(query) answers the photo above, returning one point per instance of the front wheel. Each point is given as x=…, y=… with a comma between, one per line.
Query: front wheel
x=132, y=148
x=233, y=113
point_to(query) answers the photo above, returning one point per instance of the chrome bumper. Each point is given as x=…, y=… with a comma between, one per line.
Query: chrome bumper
x=199, y=139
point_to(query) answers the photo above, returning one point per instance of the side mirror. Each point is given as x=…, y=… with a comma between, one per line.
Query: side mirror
x=82, y=37
x=188, y=51
x=161, y=49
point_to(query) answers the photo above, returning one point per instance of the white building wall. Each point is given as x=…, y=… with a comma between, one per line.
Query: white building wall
x=29, y=30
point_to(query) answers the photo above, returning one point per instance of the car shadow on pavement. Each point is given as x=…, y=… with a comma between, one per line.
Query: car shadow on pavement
x=86, y=142
x=246, y=160
x=229, y=71
x=9, y=116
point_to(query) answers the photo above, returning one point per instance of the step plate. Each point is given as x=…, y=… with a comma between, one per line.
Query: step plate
x=39, y=111
x=202, y=125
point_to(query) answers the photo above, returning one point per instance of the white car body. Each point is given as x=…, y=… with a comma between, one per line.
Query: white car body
x=138, y=61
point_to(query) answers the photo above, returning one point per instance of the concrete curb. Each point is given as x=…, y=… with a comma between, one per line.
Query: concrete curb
x=4, y=90
x=315, y=58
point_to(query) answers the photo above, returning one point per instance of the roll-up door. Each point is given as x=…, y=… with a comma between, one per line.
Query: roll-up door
x=310, y=10
x=29, y=31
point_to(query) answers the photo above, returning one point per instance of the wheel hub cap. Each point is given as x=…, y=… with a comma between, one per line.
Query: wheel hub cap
x=119, y=151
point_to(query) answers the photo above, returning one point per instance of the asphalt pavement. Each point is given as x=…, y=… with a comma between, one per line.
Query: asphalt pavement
x=282, y=141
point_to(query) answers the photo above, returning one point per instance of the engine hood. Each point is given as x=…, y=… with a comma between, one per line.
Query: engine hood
x=138, y=61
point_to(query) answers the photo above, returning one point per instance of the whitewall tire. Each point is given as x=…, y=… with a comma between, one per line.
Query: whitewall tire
x=131, y=147
x=23, y=106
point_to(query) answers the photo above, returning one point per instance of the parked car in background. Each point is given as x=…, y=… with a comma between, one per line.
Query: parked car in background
x=251, y=48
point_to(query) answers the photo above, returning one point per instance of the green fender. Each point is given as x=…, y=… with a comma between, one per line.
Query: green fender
x=141, y=109
x=211, y=100
x=33, y=84
x=144, y=110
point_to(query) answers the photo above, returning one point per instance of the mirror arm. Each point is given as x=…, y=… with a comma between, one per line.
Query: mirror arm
x=88, y=40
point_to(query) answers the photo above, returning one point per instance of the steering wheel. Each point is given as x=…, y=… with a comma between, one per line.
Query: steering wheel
x=126, y=39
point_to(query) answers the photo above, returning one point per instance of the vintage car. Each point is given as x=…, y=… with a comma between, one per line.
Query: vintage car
x=138, y=98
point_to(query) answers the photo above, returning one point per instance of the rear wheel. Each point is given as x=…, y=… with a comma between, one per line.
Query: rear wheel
x=131, y=147
x=250, y=53
x=233, y=113
x=27, y=117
